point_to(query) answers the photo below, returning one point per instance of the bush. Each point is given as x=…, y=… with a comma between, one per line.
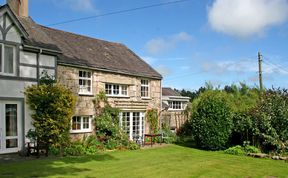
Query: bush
x=107, y=126
x=53, y=106
x=211, y=120
x=170, y=137
x=236, y=150
x=271, y=120
x=133, y=146
x=251, y=149
x=54, y=150
x=74, y=149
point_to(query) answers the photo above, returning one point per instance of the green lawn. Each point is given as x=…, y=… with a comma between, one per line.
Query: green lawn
x=170, y=161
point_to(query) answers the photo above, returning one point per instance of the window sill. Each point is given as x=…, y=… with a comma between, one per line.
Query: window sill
x=80, y=131
x=176, y=109
x=7, y=74
x=115, y=96
x=85, y=94
x=146, y=98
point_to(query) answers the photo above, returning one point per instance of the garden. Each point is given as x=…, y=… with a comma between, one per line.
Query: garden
x=225, y=126
x=169, y=161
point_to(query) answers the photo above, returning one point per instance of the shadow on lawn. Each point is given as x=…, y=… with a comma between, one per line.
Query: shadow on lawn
x=50, y=166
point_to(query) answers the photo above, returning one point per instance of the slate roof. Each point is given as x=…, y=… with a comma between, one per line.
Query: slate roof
x=89, y=52
x=169, y=92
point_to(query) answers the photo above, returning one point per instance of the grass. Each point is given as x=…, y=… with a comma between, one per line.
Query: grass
x=170, y=161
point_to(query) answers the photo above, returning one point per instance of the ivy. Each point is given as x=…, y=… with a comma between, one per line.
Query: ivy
x=152, y=117
x=108, y=130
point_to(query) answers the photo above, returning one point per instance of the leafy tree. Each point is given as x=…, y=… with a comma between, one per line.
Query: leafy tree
x=211, y=120
x=271, y=120
x=53, y=106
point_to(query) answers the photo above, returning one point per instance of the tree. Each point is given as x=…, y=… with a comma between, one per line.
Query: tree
x=211, y=120
x=271, y=120
x=53, y=106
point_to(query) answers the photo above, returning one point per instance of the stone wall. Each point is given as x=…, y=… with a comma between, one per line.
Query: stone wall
x=68, y=76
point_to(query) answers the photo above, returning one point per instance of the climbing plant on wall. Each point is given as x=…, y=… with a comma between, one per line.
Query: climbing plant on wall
x=153, y=118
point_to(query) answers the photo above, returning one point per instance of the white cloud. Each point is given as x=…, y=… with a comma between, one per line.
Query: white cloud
x=245, y=18
x=149, y=60
x=160, y=45
x=76, y=5
x=163, y=70
x=242, y=66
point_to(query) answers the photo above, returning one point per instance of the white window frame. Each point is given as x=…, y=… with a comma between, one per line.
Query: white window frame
x=82, y=130
x=145, y=86
x=171, y=106
x=2, y=60
x=120, y=87
x=141, y=123
x=81, y=87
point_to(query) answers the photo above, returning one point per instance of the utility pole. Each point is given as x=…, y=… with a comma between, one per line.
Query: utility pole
x=260, y=70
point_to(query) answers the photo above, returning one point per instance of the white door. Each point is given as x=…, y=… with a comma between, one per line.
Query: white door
x=132, y=123
x=10, y=126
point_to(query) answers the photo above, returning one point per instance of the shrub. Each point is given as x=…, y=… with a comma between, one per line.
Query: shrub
x=111, y=144
x=133, y=146
x=92, y=141
x=53, y=106
x=108, y=130
x=74, y=149
x=170, y=137
x=236, y=150
x=251, y=149
x=54, y=150
x=211, y=120
x=271, y=120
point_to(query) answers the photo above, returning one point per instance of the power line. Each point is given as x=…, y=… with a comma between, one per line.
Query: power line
x=268, y=62
x=172, y=78
x=118, y=12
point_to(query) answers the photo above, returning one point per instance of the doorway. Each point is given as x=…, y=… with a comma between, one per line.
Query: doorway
x=10, y=126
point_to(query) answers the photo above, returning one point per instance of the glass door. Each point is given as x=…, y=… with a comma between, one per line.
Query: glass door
x=9, y=126
x=132, y=123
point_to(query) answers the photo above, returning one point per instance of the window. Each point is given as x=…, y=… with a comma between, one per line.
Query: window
x=7, y=59
x=132, y=124
x=85, y=82
x=144, y=88
x=175, y=104
x=116, y=90
x=81, y=124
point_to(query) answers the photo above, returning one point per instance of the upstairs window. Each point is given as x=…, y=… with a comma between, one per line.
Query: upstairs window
x=7, y=59
x=85, y=82
x=116, y=90
x=177, y=105
x=144, y=88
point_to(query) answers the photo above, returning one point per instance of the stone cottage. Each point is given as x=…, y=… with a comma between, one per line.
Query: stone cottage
x=83, y=64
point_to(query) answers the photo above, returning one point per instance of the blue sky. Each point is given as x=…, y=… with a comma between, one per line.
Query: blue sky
x=189, y=43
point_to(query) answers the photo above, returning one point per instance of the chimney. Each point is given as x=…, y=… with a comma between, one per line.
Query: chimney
x=19, y=7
